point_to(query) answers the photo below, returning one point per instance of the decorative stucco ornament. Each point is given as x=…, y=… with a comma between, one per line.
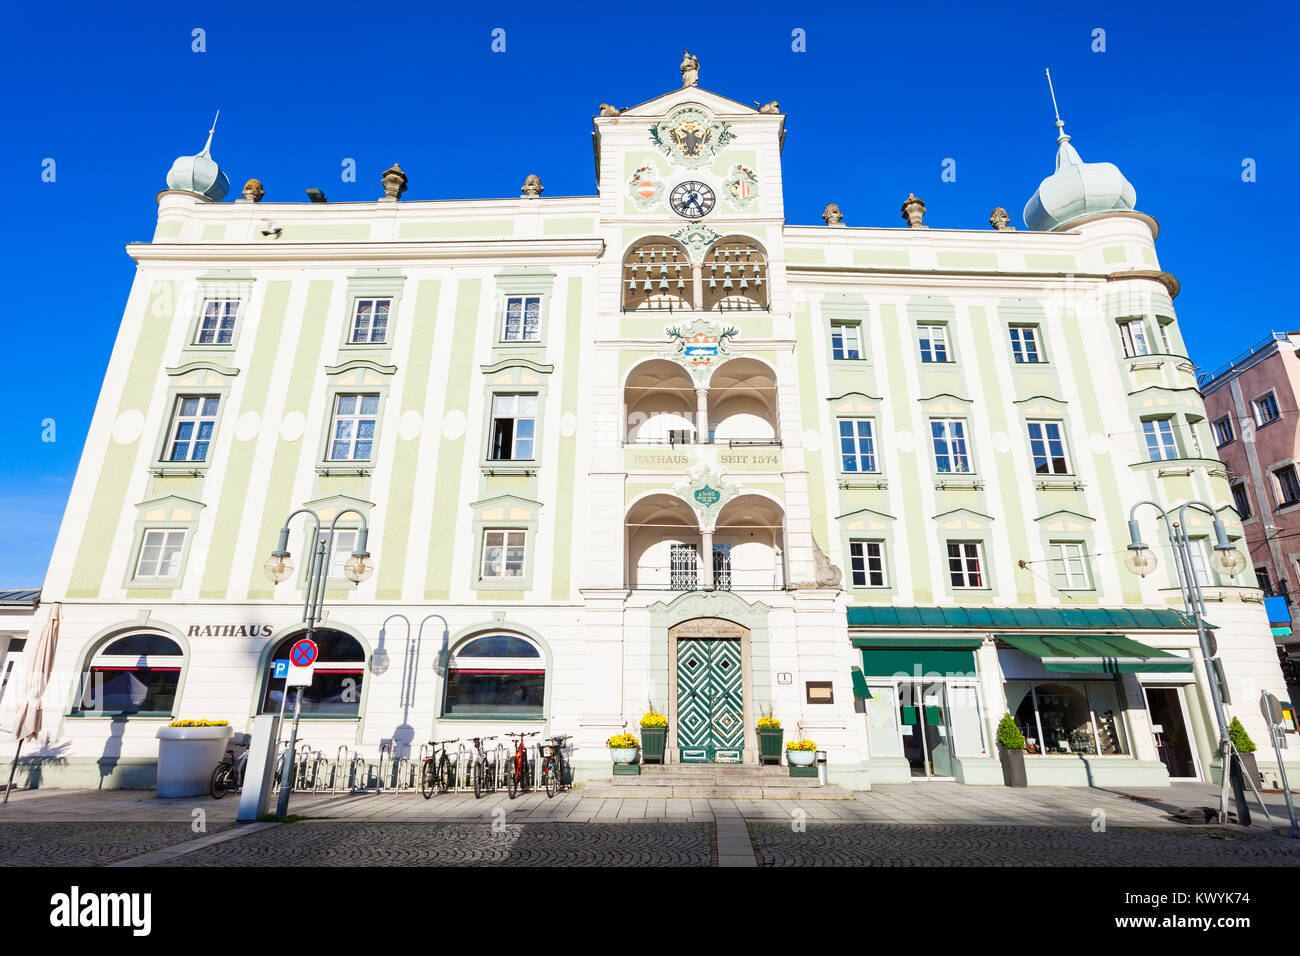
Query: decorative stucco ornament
x=696, y=238
x=394, y=181
x=701, y=345
x=532, y=186
x=689, y=138
x=706, y=492
x=646, y=187
x=200, y=174
x=608, y=110
x=253, y=191
x=741, y=186
x=826, y=574
x=690, y=70
x=1000, y=221
x=832, y=215
x=914, y=212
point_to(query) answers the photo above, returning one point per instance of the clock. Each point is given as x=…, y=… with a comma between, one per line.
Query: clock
x=691, y=200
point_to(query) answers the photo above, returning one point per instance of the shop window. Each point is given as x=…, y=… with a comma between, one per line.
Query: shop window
x=497, y=675
x=335, y=689
x=370, y=322
x=217, y=322
x=193, y=420
x=1069, y=719
x=136, y=674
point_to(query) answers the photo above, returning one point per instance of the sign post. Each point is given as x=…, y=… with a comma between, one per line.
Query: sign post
x=302, y=660
x=1271, y=708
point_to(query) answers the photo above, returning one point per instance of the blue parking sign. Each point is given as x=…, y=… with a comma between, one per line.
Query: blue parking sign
x=280, y=670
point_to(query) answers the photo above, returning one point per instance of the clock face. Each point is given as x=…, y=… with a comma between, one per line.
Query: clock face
x=691, y=200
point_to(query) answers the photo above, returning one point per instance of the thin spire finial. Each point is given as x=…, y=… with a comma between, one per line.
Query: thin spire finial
x=208, y=145
x=1060, y=123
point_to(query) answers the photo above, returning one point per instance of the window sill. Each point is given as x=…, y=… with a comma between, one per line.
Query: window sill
x=1043, y=483
x=945, y=484
x=326, y=469
x=120, y=715
x=498, y=717
x=195, y=347
x=1042, y=363
x=849, y=483
x=849, y=361
x=493, y=468
x=153, y=584
x=175, y=469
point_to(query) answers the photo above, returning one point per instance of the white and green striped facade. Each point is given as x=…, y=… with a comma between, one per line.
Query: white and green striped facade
x=622, y=496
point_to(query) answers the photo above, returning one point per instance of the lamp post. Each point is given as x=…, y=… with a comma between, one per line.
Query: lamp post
x=1141, y=560
x=278, y=567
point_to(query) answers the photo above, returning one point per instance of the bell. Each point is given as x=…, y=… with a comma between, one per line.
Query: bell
x=663, y=270
x=726, y=270
x=631, y=285
x=744, y=283
x=713, y=285
x=646, y=289
x=727, y=285
x=663, y=285
x=681, y=284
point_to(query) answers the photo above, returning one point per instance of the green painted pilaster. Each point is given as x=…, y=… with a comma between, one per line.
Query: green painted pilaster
x=812, y=414
x=562, y=566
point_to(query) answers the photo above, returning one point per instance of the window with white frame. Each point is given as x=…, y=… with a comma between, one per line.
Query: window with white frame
x=867, y=564
x=1068, y=561
x=1024, y=344
x=857, y=445
x=193, y=421
x=523, y=319
x=934, y=342
x=1288, y=484
x=345, y=542
x=370, y=322
x=1241, y=499
x=950, y=451
x=503, y=553
x=1161, y=443
x=1047, y=448
x=965, y=564
x=135, y=674
x=160, y=553
x=845, y=341
x=217, y=322
x=514, y=424
x=352, y=429
x=1200, y=561
x=1133, y=337
x=1266, y=409
x=1223, y=431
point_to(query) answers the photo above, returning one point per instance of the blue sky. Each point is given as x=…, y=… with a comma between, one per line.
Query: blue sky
x=875, y=105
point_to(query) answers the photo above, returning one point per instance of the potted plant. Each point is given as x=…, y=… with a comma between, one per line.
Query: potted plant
x=1011, y=748
x=623, y=748
x=188, y=751
x=801, y=753
x=1245, y=750
x=654, y=735
x=769, y=739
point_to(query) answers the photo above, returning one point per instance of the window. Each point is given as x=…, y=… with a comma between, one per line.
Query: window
x=681, y=567
x=503, y=553
x=1266, y=409
x=217, y=323
x=950, y=454
x=336, y=682
x=160, y=553
x=1047, y=448
x=370, y=321
x=1024, y=344
x=1288, y=484
x=857, y=445
x=1161, y=445
x=1242, y=500
x=352, y=430
x=192, y=424
x=844, y=342
x=867, y=564
x=523, y=319
x=345, y=542
x=1069, y=566
x=1069, y=719
x=934, y=343
x=136, y=674
x=497, y=675
x=1223, y=431
x=514, y=419
x=722, y=567
x=965, y=570
x=1265, y=581
x=1200, y=561
x=1133, y=337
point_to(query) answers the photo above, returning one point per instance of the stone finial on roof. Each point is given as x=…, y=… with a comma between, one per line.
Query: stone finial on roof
x=914, y=212
x=253, y=191
x=394, y=181
x=1000, y=221
x=832, y=215
x=532, y=186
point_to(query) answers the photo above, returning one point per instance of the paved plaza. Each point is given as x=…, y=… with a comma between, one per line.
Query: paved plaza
x=920, y=824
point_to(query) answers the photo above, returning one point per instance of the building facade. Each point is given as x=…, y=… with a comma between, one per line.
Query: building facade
x=653, y=448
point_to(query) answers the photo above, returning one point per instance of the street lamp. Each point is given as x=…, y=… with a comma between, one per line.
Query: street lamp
x=278, y=567
x=1141, y=560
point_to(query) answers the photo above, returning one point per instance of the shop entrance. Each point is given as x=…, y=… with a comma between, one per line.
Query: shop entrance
x=924, y=722
x=1169, y=725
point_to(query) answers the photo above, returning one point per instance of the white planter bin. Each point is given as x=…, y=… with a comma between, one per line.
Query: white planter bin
x=623, y=754
x=186, y=758
x=801, y=758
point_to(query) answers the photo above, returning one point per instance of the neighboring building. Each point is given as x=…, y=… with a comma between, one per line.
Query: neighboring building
x=654, y=446
x=17, y=611
x=1252, y=402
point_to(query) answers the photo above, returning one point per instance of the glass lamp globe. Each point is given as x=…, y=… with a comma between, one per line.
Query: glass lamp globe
x=1141, y=561
x=1229, y=561
x=379, y=661
x=278, y=567
x=358, y=568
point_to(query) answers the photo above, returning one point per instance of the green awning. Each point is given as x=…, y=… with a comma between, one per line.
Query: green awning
x=1022, y=618
x=881, y=643
x=1097, y=654
x=919, y=660
x=860, y=691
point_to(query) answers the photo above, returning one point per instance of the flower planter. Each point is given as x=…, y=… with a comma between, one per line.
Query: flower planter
x=623, y=754
x=769, y=744
x=1013, y=767
x=801, y=758
x=186, y=758
x=653, y=740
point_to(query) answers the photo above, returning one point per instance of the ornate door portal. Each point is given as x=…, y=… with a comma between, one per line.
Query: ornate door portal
x=710, y=704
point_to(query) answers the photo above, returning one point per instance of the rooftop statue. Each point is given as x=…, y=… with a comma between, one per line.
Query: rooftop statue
x=690, y=70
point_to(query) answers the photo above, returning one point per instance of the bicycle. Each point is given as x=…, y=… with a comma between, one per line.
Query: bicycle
x=554, y=770
x=518, y=770
x=485, y=778
x=228, y=776
x=436, y=774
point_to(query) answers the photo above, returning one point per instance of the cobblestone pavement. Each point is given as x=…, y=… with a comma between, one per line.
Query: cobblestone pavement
x=911, y=845
x=81, y=844
x=325, y=843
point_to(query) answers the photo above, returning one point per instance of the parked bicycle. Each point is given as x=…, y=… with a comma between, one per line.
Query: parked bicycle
x=436, y=773
x=485, y=777
x=554, y=769
x=518, y=770
x=229, y=774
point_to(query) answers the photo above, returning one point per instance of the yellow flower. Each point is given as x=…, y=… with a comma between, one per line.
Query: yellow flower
x=619, y=741
x=800, y=745
x=653, y=719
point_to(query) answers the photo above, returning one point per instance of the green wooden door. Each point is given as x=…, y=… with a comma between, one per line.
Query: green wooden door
x=710, y=706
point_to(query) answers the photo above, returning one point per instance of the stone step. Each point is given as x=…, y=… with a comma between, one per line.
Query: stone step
x=739, y=770
x=649, y=792
x=710, y=780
